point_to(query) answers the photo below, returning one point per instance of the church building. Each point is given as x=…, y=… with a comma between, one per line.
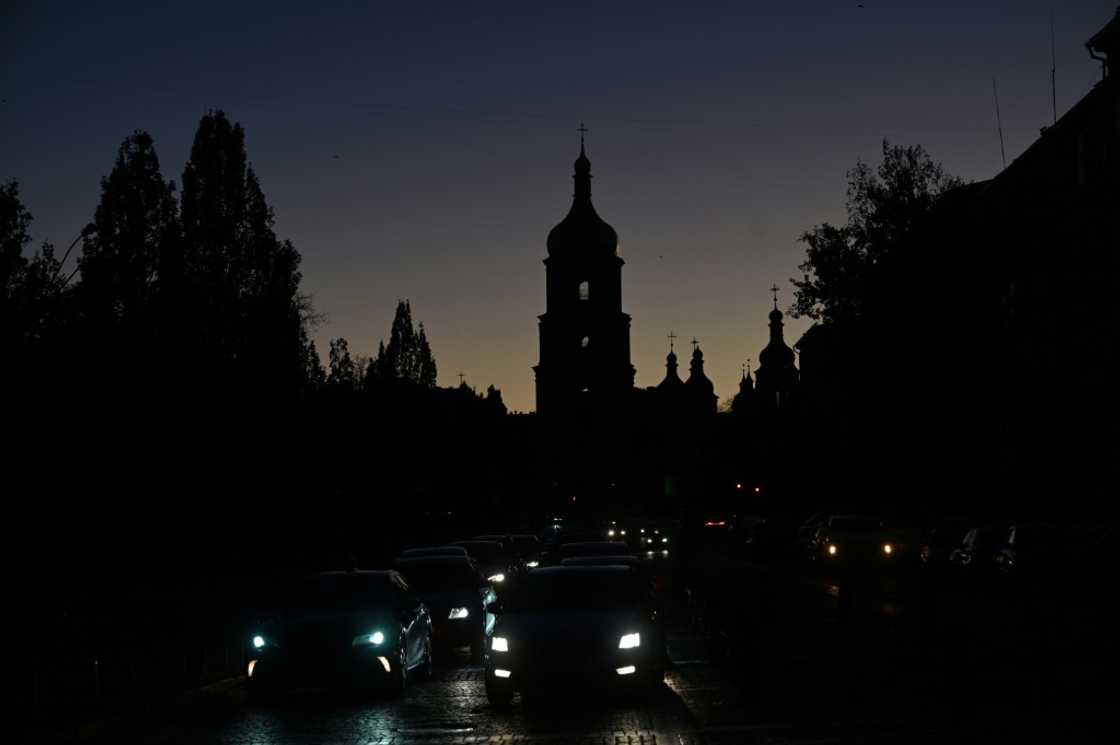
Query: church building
x=584, y=370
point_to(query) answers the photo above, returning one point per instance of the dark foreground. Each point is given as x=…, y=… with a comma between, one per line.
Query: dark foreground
x=772, y=653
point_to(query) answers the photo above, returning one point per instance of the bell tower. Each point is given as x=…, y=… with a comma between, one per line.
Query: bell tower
x=584, y=370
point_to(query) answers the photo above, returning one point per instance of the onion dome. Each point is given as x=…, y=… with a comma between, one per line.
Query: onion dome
x=582, y=231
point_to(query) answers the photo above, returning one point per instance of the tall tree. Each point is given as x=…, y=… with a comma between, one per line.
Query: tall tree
x=343, y=373
x=408, y=356
x=883, y=206
x=135, y=222
x=253, y=315
x=30, y=290
x=425, y=362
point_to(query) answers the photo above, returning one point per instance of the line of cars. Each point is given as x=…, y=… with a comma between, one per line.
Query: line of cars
x=592, y=615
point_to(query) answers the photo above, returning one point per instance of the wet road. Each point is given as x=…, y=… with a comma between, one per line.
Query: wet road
x=807, y=668
x=696, y=704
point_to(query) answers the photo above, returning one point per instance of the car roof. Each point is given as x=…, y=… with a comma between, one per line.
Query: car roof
x=449, y=560
x=627, y=561
x=594, y=544
x=435, y=551
x=613, y=570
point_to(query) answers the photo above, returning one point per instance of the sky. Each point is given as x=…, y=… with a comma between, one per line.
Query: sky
x=718, y=134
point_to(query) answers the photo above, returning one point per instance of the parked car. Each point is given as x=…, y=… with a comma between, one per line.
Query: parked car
x=456, y=594
x=355, y=627
x=575, y=626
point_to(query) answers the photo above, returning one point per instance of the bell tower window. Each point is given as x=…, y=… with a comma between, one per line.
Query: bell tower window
x=584, y=291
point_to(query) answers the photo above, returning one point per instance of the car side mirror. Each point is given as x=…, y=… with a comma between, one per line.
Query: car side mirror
x=494, y=606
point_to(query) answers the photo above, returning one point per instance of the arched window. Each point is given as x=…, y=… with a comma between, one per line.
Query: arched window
x=584, y=291
x=585, y=341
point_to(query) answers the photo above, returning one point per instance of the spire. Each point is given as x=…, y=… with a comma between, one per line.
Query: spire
x=672, y=378
x=696, y=367
x=583, y=169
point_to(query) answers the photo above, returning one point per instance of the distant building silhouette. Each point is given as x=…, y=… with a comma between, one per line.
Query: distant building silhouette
x=744, y=400
x=777, y=376
x=702, y=398
x=584, y=370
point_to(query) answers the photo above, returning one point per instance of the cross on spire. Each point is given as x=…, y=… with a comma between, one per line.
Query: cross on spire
x=672, y=338
x=460, y=378
x=582, y=131
x=695, y=344
x=774, y=289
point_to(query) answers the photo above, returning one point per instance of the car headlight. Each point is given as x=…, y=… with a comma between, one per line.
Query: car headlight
x=376, y=639
x=610, y=533
x=630, y=641
x=259, y=642
x=499, y=577
x=532, y=564
x=499, y=644
x=457, y=613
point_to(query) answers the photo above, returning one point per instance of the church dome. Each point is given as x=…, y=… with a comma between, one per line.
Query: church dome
x=582, y=231
x=776, y=355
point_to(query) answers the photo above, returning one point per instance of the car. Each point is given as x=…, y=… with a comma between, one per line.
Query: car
x=652, y=537
x=1029, y=552
x=363, y=628
x=527, y=548
x=492, y=558
x=848, y=539
x=456, y=594
x=435, y=551
x=578, y=626
x=975, y=556
x=593, y=548
x=940, y=538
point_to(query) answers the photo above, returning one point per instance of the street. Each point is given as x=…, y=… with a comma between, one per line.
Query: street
x=795, y=662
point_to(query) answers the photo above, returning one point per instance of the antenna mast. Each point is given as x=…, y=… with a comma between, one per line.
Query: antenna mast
x=999, y=124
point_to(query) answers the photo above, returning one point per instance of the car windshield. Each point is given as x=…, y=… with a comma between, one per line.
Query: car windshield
x=577, y=591
x=344, y=593
x=439, y=576
x=484, y=551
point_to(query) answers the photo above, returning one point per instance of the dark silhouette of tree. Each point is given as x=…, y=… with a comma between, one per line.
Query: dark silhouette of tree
x=30, y=289
x=343, y=373
x=883, y=206
x=408, y=356
x=136, y=221
x=425, y=363
x=252, y=315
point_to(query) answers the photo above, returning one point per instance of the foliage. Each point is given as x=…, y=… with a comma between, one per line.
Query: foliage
x=408, y=356
x=883, y=207
x=30, y=290
x=135, y=222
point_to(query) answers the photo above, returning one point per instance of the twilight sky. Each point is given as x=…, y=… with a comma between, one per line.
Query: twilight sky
x=719, y=132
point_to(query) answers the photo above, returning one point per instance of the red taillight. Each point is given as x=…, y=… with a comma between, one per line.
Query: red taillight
x=715, y=524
